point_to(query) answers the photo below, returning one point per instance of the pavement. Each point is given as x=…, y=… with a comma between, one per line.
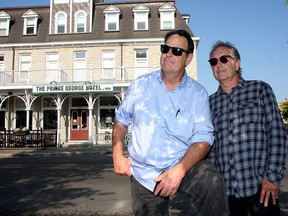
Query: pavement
x=107, y=149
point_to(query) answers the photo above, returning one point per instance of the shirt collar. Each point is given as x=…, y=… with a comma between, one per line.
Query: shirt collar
x=183, y=81
x=241, y=84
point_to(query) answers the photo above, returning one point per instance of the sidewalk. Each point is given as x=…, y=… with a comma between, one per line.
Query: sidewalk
x=107, y=149
x=50, y=151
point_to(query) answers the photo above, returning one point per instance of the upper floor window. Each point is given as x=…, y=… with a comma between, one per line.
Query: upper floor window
x=24, y=65
x=167, y=13
x=61, y=23
x=61, y=1
x=141, y=17
x=1, y=62
x=112, y=15
x=30, y=22
x=80, y=21
x=80, y=1
x=4, y=23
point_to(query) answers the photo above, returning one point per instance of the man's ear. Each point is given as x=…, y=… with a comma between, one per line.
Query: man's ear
x=189, y=59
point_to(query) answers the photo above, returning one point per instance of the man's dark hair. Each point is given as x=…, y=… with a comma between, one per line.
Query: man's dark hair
x=230, y=46
x=182, y=33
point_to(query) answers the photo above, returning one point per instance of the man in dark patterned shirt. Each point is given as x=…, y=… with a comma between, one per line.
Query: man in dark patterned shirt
x=250, y=139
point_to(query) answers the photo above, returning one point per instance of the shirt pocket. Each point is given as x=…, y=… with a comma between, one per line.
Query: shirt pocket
x=249, y=111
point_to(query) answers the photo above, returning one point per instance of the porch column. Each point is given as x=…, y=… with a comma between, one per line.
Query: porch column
x=90, y=107
x=58, y=119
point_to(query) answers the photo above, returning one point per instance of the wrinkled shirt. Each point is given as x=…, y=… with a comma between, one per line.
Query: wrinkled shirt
x=250, y=138
x=164, y=124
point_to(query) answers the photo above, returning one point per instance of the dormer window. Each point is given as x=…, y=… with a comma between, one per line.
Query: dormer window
x=167, y=13
x=112, y=15
x=80, y=21
x=4, y=23
x=141, y=17
x=30, y=22
x=61, y=23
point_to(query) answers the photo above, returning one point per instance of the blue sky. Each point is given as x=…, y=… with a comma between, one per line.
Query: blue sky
x=259, y=29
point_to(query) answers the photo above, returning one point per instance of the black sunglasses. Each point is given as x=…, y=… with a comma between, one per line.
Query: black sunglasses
x=224, y=59
x=176, y=51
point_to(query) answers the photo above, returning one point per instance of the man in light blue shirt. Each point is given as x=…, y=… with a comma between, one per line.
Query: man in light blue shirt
x=171, y=134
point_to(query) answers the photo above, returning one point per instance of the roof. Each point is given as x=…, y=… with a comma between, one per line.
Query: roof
x=126, y=25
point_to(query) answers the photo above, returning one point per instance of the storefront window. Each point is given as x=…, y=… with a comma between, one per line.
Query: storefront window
x=50, y=114
x=21, y=119
x=50, y=119
x=108, y=106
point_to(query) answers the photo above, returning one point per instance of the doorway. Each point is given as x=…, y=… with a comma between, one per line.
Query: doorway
x=79, y=124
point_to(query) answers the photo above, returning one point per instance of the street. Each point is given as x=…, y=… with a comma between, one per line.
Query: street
x=73, y=185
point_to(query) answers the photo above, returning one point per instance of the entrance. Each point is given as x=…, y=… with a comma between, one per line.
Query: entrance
x=79, y=124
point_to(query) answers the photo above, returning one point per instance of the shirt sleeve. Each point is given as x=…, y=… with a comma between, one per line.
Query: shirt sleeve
x=276, y=134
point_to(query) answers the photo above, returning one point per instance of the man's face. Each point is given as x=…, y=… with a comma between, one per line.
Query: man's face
x=175, y=64
x=225, y=71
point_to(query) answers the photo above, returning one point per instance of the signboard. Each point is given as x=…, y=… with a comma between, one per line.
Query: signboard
x=65, y=88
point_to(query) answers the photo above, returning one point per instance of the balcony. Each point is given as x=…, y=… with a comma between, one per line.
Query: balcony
x=123, y=74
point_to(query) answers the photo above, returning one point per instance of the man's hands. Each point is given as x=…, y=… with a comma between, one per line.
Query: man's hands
x=169, y=182
x=122, y=165
x=268, y=189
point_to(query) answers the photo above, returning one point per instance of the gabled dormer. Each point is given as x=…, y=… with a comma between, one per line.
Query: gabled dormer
x=112, y=17
x=5, y=23
x=31, y=19
x=167, y=16
x=141, y=15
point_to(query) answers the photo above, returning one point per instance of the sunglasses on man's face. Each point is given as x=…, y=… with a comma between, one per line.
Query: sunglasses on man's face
x=223, y=59
x=176, y=51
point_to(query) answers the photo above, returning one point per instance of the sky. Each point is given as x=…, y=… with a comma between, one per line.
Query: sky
x=258, y=29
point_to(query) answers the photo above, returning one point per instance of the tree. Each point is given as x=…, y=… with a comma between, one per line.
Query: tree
x=286, y=3
x=284, y=107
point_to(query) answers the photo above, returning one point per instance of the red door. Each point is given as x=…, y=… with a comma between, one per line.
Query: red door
x=79, y=124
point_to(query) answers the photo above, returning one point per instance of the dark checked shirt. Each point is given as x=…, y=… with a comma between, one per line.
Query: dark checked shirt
x=250, y=137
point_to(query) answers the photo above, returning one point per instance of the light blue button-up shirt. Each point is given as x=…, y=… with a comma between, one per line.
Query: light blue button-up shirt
x=164, y=124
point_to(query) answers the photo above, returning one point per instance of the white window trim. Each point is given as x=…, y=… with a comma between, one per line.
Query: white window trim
x=7, y=19
x=76, y=21
x=111, y=10
x=56, y=22
x=164, y=10
x=30, y=14
x=141, y=9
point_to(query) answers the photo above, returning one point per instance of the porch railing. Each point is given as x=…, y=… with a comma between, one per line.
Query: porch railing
x=122, y=74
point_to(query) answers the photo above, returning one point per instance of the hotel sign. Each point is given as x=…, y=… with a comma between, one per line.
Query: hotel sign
x=68, y=88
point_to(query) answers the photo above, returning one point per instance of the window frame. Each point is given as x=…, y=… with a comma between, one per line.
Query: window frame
x=77, y=23
x=58, y=24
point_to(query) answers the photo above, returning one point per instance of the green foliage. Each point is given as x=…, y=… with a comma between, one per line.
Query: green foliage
x=284, y=107
x=286, y=3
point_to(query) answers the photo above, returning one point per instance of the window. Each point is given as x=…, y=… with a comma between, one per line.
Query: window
x=61, y=23
x=61, y=1
x=30, y=22
x=49, y=114
x=108, y=106
x=167, y=13
x=80, y=1
x=51, y=73
x=112, y=15
x=4, y=23
x=141, y=62
x=21, y=115
x=1, y=62
x=108, y=64
x=141, y=17
x=24, y=65
x=79, y=66
x=80, y=21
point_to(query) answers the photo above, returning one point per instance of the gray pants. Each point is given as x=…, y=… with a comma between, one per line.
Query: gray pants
x=203, y=189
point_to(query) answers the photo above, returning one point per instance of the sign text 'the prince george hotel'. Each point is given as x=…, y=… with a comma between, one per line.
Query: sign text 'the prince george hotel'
x=58, y=88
